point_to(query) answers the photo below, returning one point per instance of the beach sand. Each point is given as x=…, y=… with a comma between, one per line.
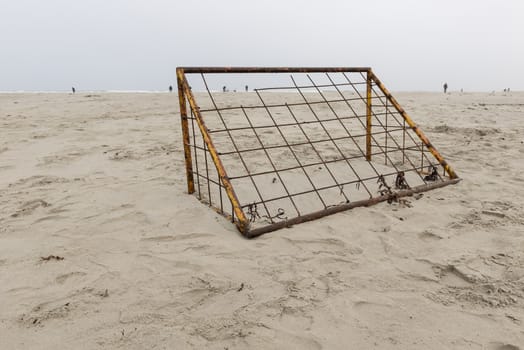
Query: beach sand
x=101, y=247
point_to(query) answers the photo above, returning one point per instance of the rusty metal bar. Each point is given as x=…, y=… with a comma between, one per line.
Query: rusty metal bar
x=368, y=116
x=195, y=147
x=190, y=70
x=414, y=127
x=220, y=193
x=386, y=141
x=403, y=139
x=243, y=223
x=185, y=132
x=210, y=202
x=281, y=105
x=422, y=155
x=307, y=86
x=343, y=207
x=346, y=206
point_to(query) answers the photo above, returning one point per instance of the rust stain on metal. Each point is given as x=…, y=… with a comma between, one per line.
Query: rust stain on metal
x=242, y=223
x=368, y=116
x=185, y=132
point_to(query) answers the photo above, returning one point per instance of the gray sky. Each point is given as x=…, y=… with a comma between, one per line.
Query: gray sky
x=137, y=44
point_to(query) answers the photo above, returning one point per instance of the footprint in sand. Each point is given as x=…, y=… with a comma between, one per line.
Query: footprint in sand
x=46, y=311
x=63, y=278
x=49, y=218
x=428, y=235
x=326, y=245
x=29, y=207
x=6, y=167
x=502, y=346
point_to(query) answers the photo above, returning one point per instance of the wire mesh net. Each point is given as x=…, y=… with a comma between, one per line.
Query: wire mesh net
x=295, y=144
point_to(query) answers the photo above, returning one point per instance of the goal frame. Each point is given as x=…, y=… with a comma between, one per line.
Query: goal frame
x=188, y=102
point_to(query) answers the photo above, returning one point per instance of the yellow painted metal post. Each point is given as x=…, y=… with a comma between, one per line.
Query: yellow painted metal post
x=243, y=223
x=368, y=117
x=185, y=132
x=414, y=127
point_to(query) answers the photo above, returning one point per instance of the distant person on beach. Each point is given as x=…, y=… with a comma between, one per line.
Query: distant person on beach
x=224, y=88
x=247, y=88
x=445, y=87
x=170, y=88
x=73, y=89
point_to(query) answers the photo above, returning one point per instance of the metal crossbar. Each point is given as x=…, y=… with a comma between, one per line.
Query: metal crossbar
x=317, y=142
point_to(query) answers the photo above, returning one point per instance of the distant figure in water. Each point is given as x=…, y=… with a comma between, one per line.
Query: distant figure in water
x=73, y=89
x=445, y=87
x=247, y=88
x=224, y=88
x=170, y=88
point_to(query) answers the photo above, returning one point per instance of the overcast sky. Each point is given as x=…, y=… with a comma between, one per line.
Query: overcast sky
x=137, y=44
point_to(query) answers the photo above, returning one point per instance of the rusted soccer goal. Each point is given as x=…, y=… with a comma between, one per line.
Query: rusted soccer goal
x=291, y=145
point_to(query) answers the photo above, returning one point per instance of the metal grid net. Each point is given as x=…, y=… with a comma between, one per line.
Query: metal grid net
x=300, y=147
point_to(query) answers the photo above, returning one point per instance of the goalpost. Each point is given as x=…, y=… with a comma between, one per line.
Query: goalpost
x=303, y=143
